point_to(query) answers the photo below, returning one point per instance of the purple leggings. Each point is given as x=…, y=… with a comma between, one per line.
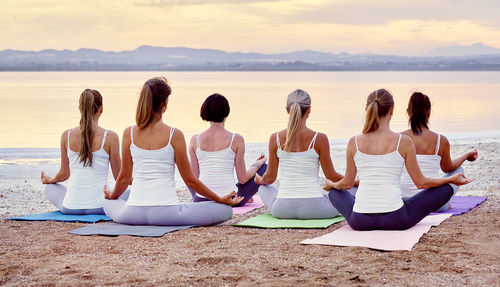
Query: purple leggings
x=246, y=190
x=413, y=210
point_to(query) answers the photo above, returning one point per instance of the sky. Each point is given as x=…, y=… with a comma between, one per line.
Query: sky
x=395, y=27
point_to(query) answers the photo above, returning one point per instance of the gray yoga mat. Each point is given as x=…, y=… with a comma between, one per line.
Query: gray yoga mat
x=115, y=229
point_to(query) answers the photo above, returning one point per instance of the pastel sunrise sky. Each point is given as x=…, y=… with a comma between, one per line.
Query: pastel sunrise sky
x=355, y=26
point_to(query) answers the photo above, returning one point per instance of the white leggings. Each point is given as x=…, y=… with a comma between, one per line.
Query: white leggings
x=56, y=192
x=198, y=213
x=296, y=208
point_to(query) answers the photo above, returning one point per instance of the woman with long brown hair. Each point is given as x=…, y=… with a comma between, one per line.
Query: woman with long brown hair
x=433, y=150
x=298, y=152
x=378, y=156
x=86, y=153
x=150, y=151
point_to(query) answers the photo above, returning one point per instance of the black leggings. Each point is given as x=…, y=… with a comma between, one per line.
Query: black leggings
x=246, y=190
x=413, y=210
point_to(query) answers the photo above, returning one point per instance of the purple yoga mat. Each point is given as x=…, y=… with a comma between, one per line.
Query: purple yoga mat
x=463, y=204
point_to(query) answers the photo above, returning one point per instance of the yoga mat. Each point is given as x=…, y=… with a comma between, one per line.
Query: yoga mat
x=115, y=229
x=268, y=221
x=463, y=204
x=59, y=216
x=388, y=240
x=257, y=203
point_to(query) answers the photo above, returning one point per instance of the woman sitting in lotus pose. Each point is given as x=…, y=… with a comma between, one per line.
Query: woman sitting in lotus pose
x=433, y=150
x=215, y=154
x=298, y=152
x=379, y=155
x=150, y=151
x=86, y=153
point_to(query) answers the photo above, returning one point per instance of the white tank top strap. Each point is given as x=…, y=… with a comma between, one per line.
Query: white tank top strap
x=198, y=141
x=313, y=141
x=171, y=135
x=399, y=141
x=132, y=134
x=438, y=143
x=104, y=138
x=356, y=141
x=232, y=139
x=69, y=132
x=278, y=141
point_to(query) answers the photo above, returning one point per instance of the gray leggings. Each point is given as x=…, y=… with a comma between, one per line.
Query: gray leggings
x=56, y=192
x=199, y=213
x=296, y=208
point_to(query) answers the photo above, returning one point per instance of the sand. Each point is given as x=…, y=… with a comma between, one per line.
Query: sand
x=464, y=250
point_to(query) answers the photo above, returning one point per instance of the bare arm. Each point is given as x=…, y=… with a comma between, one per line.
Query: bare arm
x=407, y=149
x=448, y=164
x=323, y=146
x=242, y=173
x=193, y=159
x=64, y=172
x=181, y=159
x=114, y=153
x=125, y=175
x=272, y=168
x=349, y=179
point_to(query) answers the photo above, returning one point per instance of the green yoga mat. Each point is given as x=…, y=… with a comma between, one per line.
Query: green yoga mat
x=268, y=221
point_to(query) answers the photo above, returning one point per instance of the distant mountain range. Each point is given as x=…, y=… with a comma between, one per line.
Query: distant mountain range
x=474, y=57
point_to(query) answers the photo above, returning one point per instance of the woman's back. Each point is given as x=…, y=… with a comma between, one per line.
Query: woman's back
x=153, y=166
x=216, y=159
x=299, y=168
x=379, y=165
x=86, y=182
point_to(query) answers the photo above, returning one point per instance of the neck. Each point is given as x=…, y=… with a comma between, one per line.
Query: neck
x=384, y=123
x=214, y=125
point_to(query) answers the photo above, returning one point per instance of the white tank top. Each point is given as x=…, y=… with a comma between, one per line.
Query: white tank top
x=379, y=187
x=217, y=168
x=85, y=186
x=299, y=172
x=430, y=165
x=153, y=173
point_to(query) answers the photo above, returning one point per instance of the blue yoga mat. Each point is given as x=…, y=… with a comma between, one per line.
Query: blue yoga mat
x=115, y=229
x=464, y=204
x=59, y=216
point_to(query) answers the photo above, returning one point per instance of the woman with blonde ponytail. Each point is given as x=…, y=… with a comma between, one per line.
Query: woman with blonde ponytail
x=378, y=156
x=299, y=195
x=86, y=153
x=150, y=151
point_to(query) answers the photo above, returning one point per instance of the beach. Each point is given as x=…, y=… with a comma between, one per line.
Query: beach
x=463, y=250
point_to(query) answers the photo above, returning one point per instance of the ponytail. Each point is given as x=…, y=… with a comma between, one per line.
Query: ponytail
x=372, y=120
x=298, y=102
x=293, y=126
x=90, y=102
x=378, y=104
x=152, y=99
x=419, y=108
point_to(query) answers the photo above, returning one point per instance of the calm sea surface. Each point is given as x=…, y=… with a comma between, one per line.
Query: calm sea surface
x=36, y=107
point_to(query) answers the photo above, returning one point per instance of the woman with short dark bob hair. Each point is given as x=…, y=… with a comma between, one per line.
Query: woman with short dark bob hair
x=150, y=151
x=216, y=153
x=433, y=150
x=378, y=156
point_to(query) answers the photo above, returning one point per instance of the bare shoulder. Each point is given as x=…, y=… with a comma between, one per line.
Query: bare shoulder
x=406, y=141
x=407, y=132
x=112, y=135
x=322, y=139
x=238, y=139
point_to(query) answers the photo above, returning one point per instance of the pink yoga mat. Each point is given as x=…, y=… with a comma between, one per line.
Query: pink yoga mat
x=388, y=240
x=257, y=203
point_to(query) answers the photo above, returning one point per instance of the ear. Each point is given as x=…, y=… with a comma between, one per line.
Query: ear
x=101, y=109
x=287, y=110
x=408, y=112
